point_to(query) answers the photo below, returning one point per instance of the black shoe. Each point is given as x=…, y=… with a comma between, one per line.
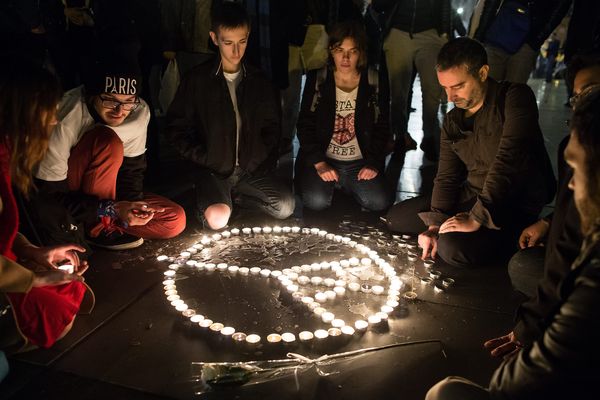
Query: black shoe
x=116, y=240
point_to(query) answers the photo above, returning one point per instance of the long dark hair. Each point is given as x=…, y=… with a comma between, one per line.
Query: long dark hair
x=28, y=99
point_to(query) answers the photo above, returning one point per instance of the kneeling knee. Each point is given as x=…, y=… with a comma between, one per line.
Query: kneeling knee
x=217, y=216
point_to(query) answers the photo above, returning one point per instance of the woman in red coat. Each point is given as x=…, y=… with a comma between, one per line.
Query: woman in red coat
x=43, y=297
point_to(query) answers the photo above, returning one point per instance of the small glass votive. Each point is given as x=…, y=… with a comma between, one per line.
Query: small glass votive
x=366, y=288
x=227, y=331
x=205, y=323
x=327, y=317
x=246, y=231
x=256, y=229
x=295, y=229
x=321, y=334
x=196, y=318
x=267, y=229
x=330, y=294
x=337, y=323
x=210, y=266
x=274, y=338
x=377, y=289
x=361, y=325
x=315, y=267
x=316, y=280
x=288, y=337
x=286, y=229
x=277, y=229
x=434, y=274
x=222, y=266
x=255, y=270
x=347, y=330
x=374, y=319
x=305, y=336
x=244, y=271
x=162, y=257
x=235, y=231
x=339, y=290
x=216, y=326
x=354, y=286
x=233, y=269
x=253, y=338
x=239, y=337
x=447, y=282
x=226, y=234
x=320, y=297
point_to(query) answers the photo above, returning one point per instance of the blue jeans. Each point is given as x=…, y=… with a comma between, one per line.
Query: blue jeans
x=317, y=194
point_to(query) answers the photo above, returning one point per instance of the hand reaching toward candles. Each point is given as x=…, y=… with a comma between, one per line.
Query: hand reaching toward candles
x=136, y=213
x=49, y=257
x=504, y=346
x=461, y=222
x=428, y=242
x=532, y=235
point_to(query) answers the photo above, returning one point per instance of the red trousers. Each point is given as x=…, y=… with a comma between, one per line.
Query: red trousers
x=93, y=168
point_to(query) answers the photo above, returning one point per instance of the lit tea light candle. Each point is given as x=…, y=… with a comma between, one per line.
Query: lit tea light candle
x=286, y=229
x=170, y=292
x=292, y=276
x=377, y=289
x=346, y=240
x=267, y=229
x=239, y=336
x=366, y=288
x=305, y=268
x=205, y=323
x=319, y=311
x=305, y=336
x=226, y=234
x=314, y=231
x=315, y=267
x=361, y=325
x=257, y=229
x=337, y=323
x=288, y=337
x=347, y=330
x=235, y=231
x=365, y=262
x=340, y=282
x=382, y=315
x=173, y=297
x=276, y=274
x=168, y=282
x=210, y=266
x=255, y=270
x=334, y=332
x=337, y=238
x=216, y=327
x=339, y=290
x=352, y=243
x=329, y=282
x=334, y=264
x=227, y=331
x=354, y=286
x=305, y=231
x=233, y=269
x=321, y=334
x=387, y=309
x=392, y=303
x=344, y=263
x=169, y=273
x=297, y=295
x=274, y=338
x=188, y=313
x=191, y=263
x=216, y=237
x=198, y=246
x=244, y=271
x=353, y=261
x=320, y=297
x=181, y=307
x=205, y=240
x=185, y=254
x=196, y=318
x=174, y=267
x=246, y=231
x=222, y=266
x=295, y=229
x=265, y=272
x=277, y=229
x=435, y=274
x=316, y=280
x=329, y=236
x=292, y=288
x=327, y=317
x=307, y=299
x=374, y=319
x=253, y=338
x=67, y=268
x=162, y=257
x=330, y=294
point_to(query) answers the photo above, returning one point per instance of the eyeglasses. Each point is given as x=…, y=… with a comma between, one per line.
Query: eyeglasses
x=113, y=104
x=585, y=92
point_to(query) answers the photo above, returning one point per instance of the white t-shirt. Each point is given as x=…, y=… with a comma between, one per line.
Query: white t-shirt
x=233, y=80
x=75, y=120
x=344, y=145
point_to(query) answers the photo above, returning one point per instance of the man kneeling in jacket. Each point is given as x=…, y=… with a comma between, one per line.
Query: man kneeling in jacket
x=226, y=119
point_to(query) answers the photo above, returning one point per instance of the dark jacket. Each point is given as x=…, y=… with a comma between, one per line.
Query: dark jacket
x=562, y=247
x=545, y=17
x=316, y=121
x=584, y=29
x=201, y=121
x=178, y=18
x=503, y=162
x=414, y=16
x=562, y=363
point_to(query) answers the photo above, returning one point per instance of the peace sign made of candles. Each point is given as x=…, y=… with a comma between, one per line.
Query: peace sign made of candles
x=293, y=280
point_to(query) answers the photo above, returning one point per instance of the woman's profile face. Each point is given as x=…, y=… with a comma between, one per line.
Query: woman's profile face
x=345, y=56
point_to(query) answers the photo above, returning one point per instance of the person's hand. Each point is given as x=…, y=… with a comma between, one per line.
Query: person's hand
x=57, y=277
x=326, y=172
x=532, y=235
x=462, y=222
x=79, y=16
x=428, y=242
x=49, y=257
x=169, y=55
x=136, y=213
x=367, y=173
x=504, y=346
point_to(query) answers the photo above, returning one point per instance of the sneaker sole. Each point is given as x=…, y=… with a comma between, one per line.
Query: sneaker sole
x=123, y=246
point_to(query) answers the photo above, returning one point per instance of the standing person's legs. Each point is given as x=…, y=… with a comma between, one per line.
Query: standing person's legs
x=94, y=163
x=497, y=60
x=291, y=99
x=164, y=225
x=429, y=43
x=520, y=65
x=370, y=194
x=399, y=50
x=265, y=193
x=403, y=217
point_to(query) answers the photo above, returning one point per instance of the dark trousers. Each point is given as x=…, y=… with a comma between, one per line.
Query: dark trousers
x=482, y=247
x=264, y=193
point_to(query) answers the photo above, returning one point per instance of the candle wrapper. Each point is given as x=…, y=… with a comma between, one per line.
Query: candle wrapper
x=220, y=375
